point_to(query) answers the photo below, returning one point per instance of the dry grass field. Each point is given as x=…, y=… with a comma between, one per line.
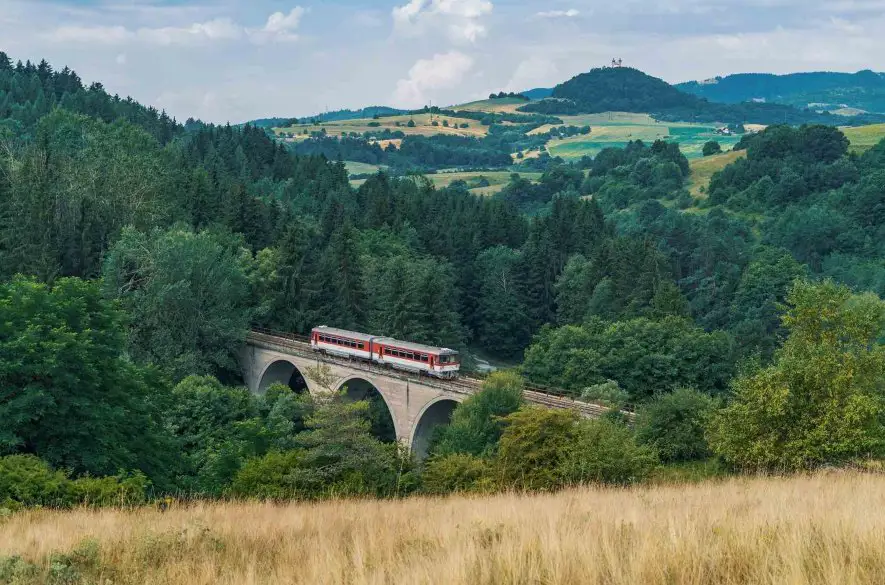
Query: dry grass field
x=826, y=529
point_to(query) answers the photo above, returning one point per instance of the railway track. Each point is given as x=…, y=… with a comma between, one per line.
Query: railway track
x=300, y=345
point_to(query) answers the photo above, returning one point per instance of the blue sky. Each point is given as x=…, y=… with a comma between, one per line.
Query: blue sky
x=234, y=60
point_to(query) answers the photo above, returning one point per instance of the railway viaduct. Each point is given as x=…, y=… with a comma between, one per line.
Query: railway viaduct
x=417, y=404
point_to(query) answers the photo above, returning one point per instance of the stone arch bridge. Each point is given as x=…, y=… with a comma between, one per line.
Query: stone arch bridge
x=416, y=403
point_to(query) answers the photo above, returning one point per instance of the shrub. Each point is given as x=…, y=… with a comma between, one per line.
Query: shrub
x=711, y=148
x=27, y=481
x=602, y=451
x=411, y=124
x=533, y=447
x=608, y=393
x=673, y=424
x=269, y=477
x=374, y=124
x=454, y=473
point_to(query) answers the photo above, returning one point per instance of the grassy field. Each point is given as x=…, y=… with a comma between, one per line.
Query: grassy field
x=423, y=126
x=703, y=169
x=358, y=168
x=617, y=129
x=502, y=106
x=864, y=137
x=821, y=530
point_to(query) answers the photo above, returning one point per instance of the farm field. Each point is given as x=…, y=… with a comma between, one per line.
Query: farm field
x=803, y=530
x=618, y=132
x=423, y=126
x=359, y=168
x=864, y=137
x=475, y=180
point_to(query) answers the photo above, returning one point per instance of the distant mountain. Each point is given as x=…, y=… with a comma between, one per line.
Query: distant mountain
x=624, y=89
x=538, y=93
x=864, y=90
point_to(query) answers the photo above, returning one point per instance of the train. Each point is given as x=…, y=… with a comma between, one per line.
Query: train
x=439, y=362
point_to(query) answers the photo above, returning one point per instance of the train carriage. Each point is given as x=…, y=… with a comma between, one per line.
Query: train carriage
x=405, y=355
x=341, y=342
x=402, y=355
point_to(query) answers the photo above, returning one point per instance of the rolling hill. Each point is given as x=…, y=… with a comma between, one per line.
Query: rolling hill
x=864, y=90
x=629, y=90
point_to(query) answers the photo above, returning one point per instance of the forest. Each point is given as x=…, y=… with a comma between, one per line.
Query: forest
x=136, y=253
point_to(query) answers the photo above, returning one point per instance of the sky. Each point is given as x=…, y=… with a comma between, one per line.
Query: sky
x=237, y=60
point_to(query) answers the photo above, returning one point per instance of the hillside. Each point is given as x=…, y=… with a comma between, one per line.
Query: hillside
x=864, y=90
x=630, y=90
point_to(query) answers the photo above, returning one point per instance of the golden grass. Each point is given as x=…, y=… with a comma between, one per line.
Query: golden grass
x=703, y=169
x=826, y=529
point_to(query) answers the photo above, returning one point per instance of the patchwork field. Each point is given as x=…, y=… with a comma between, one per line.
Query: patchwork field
x=615, y=130
x=423, y=127
x=816, y=530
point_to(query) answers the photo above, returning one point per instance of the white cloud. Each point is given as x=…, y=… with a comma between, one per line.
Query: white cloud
x=533, y=72
x=220, y=29
x=279, y=27
x=426, y=75
x=91, y=34
x=460, y=18
x=121, y=59
x=570, y=13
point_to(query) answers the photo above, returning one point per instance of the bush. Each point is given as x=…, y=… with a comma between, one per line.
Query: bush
x=269, y=477
x=608, y=393
x=455, y=473
x=411, y=124
x=27, y=481
x=374, y=124
x=533, y=447
x=712, y=148
x=602, y=451
x=673, y=424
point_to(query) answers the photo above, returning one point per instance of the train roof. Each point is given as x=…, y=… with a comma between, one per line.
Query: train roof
x=344, y=333
x=415, y=346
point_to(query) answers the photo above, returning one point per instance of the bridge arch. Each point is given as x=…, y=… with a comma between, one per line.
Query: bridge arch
x=435, y=413
x=283, y=372
x=384, y=423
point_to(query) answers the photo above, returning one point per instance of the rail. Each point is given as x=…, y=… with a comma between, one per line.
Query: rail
x=300, y=345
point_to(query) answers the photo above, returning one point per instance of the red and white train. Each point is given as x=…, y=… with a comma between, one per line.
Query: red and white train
x=402, y=355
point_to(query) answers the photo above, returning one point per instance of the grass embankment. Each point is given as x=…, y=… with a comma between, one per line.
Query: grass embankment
x=806, y=530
